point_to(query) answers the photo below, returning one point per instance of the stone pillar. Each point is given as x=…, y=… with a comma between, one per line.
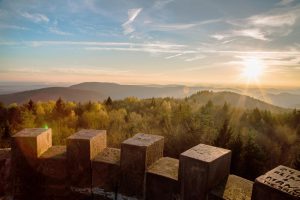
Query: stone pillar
x=162, y=180
x=106, y=174
x=200, y=169
x=27, y=146
x=82, y=147
x=278, y=184
x=137, y=154
x=233, y=187
x=53, y=172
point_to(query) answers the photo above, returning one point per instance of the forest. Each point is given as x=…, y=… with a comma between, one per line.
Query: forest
x=259, y=139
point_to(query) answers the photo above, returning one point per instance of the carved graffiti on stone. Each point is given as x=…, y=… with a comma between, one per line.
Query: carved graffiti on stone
x=284, y=179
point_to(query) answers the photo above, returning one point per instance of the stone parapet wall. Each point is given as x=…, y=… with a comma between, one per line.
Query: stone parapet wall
x=87, y=169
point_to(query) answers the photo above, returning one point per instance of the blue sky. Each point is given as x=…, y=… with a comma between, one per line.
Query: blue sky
x=162, y=41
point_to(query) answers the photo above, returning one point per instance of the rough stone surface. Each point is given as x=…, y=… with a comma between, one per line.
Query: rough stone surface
x=232, y=188
x=82, y=147
x=278, y=184
x=202, y=168
x=162, y=180
x=106, y=173
x=53, y=172
x=5, y=172
x=138, y=153
x=27, y=146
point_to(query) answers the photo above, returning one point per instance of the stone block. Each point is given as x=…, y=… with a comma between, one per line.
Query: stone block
x=201, y=168
x=162, y=180
x=106, y=173
x=33, y=142
x=233, y=188
x=82, y=147
x=278, y=184
x=27, y=146
x=138, y=153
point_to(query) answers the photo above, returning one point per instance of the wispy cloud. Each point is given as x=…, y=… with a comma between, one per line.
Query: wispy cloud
x=159, y=4
x=287, y=19
x=254, y=33
x=56, y=31
x=36, y=17
x=168, y=27
x=9, y=26
x=198, y=57
x=132, y=14
x=276, y=23
x=179, y=26
x=136, y=49
x=285, y=2
x=93, y=43
x=174, y=56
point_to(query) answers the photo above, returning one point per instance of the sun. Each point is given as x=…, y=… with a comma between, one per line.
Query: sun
x=253, y=69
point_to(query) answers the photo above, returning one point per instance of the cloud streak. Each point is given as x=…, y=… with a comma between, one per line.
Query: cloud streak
x=56, y=31
x=132, y=14
x=285, y=2
x=36, y=17
x=14, y=27
x=264, y=27
x=287, y=19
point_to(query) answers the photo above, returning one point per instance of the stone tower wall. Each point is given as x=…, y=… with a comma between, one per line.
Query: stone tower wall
x=87, y=169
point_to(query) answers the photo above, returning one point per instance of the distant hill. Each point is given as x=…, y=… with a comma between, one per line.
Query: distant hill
x=234, y=99
x=95, y=91
x=117, y=91
x=285, y=100
x=52, y=93
x=98, y=91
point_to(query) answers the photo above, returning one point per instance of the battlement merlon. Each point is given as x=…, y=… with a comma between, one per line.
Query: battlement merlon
x=33, y=142
x=201, y=168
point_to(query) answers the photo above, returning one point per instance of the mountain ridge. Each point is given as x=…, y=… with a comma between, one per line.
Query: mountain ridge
x=99, y=91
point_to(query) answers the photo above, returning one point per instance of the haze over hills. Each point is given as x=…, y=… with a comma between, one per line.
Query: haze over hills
x=234, y=99
x=97, y=91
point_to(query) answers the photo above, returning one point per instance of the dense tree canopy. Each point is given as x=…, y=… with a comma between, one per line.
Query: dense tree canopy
x=259, y=139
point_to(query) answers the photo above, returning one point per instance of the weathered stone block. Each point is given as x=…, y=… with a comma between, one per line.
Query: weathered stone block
x=53, y=172
x=278, y=184
x=82, y=147
x=202, y=168
x=27, y=146
x=53, y=164
x=162, y=180
x=233, y=188
x=106, y=173
x=138, y=153
x=33, y=142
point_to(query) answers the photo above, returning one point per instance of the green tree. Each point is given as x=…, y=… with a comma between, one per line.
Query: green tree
x=253, y=159
x=224, y=135
x=236, y=146
x=108, y=101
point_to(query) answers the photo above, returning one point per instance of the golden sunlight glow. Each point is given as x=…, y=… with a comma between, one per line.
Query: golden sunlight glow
x=253, y=68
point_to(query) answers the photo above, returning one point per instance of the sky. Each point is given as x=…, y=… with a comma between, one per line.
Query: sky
x=189, y=42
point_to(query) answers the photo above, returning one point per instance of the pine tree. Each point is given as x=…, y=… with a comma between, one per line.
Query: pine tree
x=253, y=159
x=31, y=105
x=6, y=132
x=224, y=135
x=108, y=101
x=236, y=146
